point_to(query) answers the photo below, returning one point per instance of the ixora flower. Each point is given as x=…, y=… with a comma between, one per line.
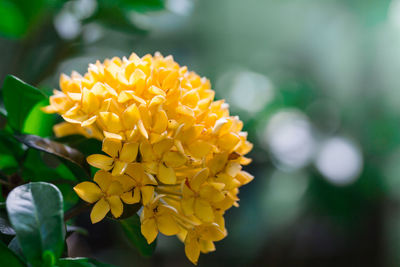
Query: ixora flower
x=168, y=145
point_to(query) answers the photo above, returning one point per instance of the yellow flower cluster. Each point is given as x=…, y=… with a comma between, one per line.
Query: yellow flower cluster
x=168, y=145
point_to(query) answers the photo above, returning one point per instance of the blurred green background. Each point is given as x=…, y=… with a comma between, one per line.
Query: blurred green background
x=317, y=84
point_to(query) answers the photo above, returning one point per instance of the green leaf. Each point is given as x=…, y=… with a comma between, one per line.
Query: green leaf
x=81, y=262
x=39, y=123
x=19, y=98
x=71, y=157
x=16, y=248
x=35, y=211
x=131, y=227
x=10, y=152
x=142, y=5
x=8, y=258
x=12, y=21
x=38, y=168
x=87, y=146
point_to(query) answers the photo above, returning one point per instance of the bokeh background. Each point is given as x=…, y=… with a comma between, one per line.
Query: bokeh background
x=317, y=84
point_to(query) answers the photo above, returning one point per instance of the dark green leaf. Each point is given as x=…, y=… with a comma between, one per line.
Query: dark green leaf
x=8, y=258
x=131, y=227
x=19, y=98
x=81, y=262
x=3, y=117
x=37, y=168
x=1, y=193
x=16, y=248
x=71, y=157
x=35, y=211
x=11, y=153
x=87, y=146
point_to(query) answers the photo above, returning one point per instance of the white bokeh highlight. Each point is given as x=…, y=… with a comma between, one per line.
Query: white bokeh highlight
x=394, y=13
x=68, y=26
x=251, y=91
x=289, y=138
x=339, y=161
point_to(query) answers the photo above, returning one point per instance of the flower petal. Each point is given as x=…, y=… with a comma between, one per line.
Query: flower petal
x=206, y=246
x=203, y=210
x=147, y=194
x=145, y=116
x=99, y=211
x=127, y=182
x=115, y=189
x=119, y=167
x=90, y=103
x=244, y=177
x=212, y=232
x=211, y=194
x=146, y=151
x=136, y=172
x=199, y=179
x=142, y=129
x=174, y=159
x=233, y=168
x=187, y=205
x=89, y=121
x=116, y=206
x=131, y=197
x=88, y=191
x=149, y=230
x=167, y=225
x=199, y=148
x=149, y=179
x=160, y=121
x=217, y=163
x=103, y=179
x=166, y=175
x=111, y=121
x=111, y=147
x=129, y=152
x=228, y=142
x=130, y=116
x=192, y=248
x=163, y=146
x=100, y=161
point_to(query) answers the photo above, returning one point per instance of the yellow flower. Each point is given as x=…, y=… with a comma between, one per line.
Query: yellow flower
x=168, y=146
x=143, y=184
x=106, y=194
x=161, y=161
x=198, y=196
x=157, y=216
x=201, y=238
x=120, y=155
